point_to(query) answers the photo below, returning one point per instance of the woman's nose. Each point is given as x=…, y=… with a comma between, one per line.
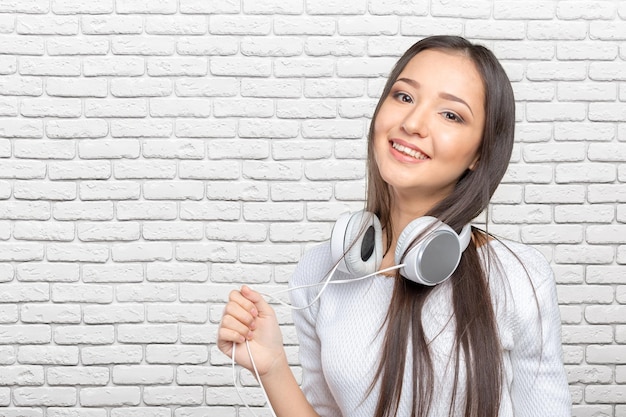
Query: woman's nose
x=415, y=122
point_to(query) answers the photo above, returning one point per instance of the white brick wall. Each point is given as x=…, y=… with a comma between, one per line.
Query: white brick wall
x=155, y=154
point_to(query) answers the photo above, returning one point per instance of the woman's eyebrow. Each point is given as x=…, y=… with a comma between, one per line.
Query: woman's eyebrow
x=446, y=96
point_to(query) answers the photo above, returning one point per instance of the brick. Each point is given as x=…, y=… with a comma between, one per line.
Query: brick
x=117, y=190
x=306, y=109
x=8, y=313
x=21, y=86
x=211, y=128
x=237, y=232
x=587, y=334
x=612, y=112
x=584, y=131
x=388, y=45
x=274, y=7
x=209, y=211
x=312, y=232
x=243, y=67
x=589, y=374
x=177, y=66
x=45, y=313
x=39, y=190
x=164, y=313
x=207, y=87
x=213, y=45
x=173, y=395
x=276, y=253
x=146, y=210
x=45, y=396
x=176, y=25
x=28, y=334
x=65, y=375
x=253, y=149
x=113, y=314
x=21, y=252
x=336, y=129
x=606, y=193
x=22, y=45
x=267, y=47
x=22, y=375
x=173, y=190
x=110, y=396
x=612, y=31
x=145, y=292
x=578, y=213
x=141, y=87
x=213, y=7
x=605, y=274
x=239, y=25
x=309, y=25
x=111, y=25
x=462, y=9
x=552, y=234
x=109, y=149
x=605, y=234
x=605, y=393
x=301, y=192
x=558, y=71
x=157, y=230
x=174, y=149
x=589, y=172
x=141, y=412
x=201, y=252
x=134, y=45
x=489, y=29
x=557, y=194
x=180, y=107
x=562, y=30
x=146, y=6
x=562, y=112
x=607, y=71
x=300, y=67
x=589, y=10
x=118, y=107
x=75, y=129
x=80, y=293
x=50, y=272
x=21, y=128
x=112, y=273
x=298, y=149
x=113, y=66
x=91, y=335
x=590, y=50
x=48, y=355
x=607, y=152
x=142, y=252
x=611, y=314
x=83, y=211
x=142, y=374
x=94, y=232
x=249, y=107
x=102, y=355
x=264, y=128
x=583, y=254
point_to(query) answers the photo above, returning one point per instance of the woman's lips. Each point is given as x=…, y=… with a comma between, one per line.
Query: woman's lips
x=406, y=152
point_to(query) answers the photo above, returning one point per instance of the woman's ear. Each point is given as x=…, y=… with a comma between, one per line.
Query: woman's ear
x=472, y=166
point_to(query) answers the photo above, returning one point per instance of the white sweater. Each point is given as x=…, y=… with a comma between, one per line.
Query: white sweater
x=340, y=341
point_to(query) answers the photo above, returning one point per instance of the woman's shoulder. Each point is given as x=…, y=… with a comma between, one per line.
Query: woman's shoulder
x=313, y=266
x=518, y=260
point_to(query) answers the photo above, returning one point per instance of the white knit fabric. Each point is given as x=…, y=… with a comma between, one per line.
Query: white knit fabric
x=340, y=338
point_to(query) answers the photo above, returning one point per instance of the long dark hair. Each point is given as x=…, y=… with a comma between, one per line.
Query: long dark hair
x=476, y=334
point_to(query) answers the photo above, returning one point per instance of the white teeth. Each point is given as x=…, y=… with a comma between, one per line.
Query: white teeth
x=408, y=151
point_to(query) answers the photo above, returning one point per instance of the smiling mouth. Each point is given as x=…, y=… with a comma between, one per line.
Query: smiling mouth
x=408, y=151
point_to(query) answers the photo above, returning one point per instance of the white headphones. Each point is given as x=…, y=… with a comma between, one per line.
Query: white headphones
x=356, y=246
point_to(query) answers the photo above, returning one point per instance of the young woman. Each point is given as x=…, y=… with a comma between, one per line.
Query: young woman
x=483, y=343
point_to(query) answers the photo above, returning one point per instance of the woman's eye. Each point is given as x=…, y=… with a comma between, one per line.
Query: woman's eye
x=403, y=97
x=452, y=117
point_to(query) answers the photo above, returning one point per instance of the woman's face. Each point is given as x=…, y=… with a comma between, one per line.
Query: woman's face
x=428, y=130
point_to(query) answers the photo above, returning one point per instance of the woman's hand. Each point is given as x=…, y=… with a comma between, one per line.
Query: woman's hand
x=247, y=316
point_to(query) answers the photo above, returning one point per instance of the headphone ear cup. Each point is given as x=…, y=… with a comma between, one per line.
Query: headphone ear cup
x=433, y=259
x=356, y=243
